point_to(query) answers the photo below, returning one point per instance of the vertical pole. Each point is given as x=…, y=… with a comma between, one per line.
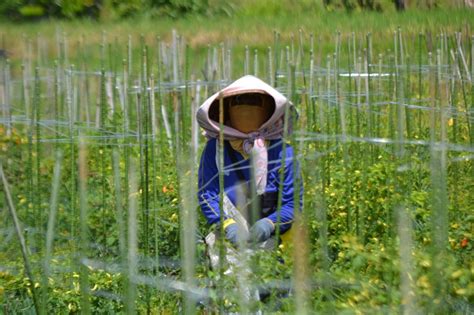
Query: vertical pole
x=83, y=235
x=439, y=217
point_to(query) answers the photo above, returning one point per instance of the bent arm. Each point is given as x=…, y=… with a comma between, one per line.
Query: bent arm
x=285, y=215
x=208, y=184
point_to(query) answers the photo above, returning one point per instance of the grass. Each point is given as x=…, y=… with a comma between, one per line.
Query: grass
x=255, y=29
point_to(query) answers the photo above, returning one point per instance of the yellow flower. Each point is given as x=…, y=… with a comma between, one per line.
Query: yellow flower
x=174, y=217
x=461, y=291
x=456, y=274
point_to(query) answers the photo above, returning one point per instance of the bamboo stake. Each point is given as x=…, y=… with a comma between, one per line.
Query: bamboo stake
x=52, y=212
x=25, y=91
x=188, y=227
x=144, y=161
x=102, y=151
x=350, y=92
x=255, y=62
x=36, y=114
x=247, y=60
x=132, y=244
x=301, y=271
x=7, y=110
x=380, y=98
x=271, y=74
x=194, y=125
x=463, y=59
x=223, y=63
x=286, y=122
x=221, y=165
x=311, y=93
x=276, y=45
x=121, y=225
x=420, y=86
x=335, y=100
x=406, y=98
x=406, y=261
x=50, y=229
x=151, y=92
x=83, y=235
x=164, y=111
x=229, y=64
x=23, y=248
x=359, y=131
x=439, y=218
x=368, y=107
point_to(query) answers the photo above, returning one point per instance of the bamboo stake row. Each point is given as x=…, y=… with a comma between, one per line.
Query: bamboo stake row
x=133, y=109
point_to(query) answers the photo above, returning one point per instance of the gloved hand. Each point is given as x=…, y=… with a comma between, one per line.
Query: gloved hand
x=261, y=230
x=232, y=232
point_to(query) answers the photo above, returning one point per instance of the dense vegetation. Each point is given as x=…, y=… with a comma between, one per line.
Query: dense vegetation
x=114, y=9
x=99, y=145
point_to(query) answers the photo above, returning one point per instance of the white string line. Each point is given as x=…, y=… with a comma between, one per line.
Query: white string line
x=436, y=145
x=304, y=136
x=451, y=110
x=414, y=70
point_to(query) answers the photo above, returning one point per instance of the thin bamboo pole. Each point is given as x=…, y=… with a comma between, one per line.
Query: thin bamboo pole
x=50, y=230
x=23, y=248
x=255, y=63
x=439, y=198
x=7, y=109
x=188, y=228
x=221, y=165
x=301, y=273
x=36, y=114
x=132, y=245
x=84, y=229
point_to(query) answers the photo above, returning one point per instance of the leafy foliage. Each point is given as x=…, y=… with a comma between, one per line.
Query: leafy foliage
x=352, y=202
x=109, y=9
x=116, y=9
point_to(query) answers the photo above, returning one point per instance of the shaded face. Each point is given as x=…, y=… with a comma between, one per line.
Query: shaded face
x=248, y=112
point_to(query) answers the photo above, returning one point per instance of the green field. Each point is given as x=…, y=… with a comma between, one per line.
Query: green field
x=100, y=149
x=253, y=27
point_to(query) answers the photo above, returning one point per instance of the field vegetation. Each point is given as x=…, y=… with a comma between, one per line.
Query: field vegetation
x=99, y=153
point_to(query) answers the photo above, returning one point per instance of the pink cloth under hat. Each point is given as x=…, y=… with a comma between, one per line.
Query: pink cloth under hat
x=253, y=142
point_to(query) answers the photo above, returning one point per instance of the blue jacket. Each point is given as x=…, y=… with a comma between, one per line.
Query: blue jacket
x=208, y=193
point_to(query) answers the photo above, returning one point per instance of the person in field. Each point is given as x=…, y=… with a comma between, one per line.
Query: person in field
x=253, y=130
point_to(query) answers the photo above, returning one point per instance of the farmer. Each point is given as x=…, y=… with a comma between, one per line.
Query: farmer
x=253, y=127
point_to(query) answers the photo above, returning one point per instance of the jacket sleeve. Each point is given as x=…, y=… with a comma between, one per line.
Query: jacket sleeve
x=286, y=212
x=208, y=184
